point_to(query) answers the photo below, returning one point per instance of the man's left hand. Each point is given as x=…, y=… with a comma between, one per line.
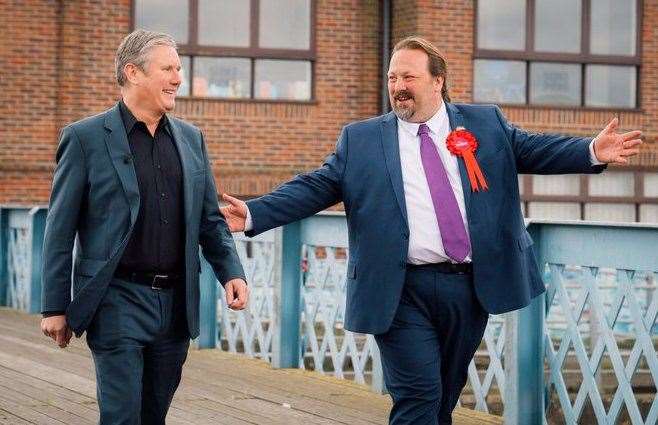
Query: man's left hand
x=612, y=147
x=237, y=294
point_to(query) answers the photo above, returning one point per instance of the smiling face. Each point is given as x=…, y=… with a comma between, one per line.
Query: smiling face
x=415, y=94
x=155, y=87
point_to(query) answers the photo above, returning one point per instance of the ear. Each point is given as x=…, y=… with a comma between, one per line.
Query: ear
x=438, y=83
x=132, y=73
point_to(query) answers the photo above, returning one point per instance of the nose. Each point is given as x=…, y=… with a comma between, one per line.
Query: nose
x=398, y=85
x=177, y=77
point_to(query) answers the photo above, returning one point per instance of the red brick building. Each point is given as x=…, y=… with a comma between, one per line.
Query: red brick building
x=271, y=82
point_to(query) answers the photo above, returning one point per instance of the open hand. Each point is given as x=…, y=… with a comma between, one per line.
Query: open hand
x=56, y=328
x=235, y=213
x=612, y=147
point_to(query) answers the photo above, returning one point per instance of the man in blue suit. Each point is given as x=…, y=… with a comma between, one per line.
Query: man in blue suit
x=432, y=252
x=135, y=186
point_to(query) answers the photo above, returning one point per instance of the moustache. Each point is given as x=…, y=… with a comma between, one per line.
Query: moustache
x=402, y=94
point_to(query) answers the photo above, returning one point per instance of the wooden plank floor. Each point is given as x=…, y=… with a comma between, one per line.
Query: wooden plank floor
x=43, y=384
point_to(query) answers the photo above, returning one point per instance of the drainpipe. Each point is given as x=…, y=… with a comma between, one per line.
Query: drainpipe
x=386, y=52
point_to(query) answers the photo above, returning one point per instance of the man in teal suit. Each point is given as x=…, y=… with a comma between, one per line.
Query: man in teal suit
x=134, y=187
x=433, y=248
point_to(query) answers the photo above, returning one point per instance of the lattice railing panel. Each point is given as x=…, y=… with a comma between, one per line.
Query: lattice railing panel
x=19, y=260
x=486, y=373
x=608, y=318
x=250, y=331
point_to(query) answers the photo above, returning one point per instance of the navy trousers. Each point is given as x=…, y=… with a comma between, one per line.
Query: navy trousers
x=425, y=353
x=139, y=342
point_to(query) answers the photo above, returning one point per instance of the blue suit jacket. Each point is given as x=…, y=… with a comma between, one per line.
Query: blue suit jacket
x=95, y=197
x=364, y=172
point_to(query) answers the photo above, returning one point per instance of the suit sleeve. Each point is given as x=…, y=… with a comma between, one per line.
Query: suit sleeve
x=66, y=198
x=216, y=241
x=304, y=195
x=538, y=153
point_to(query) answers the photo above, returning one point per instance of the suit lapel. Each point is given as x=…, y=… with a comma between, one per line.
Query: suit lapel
x=391, y=147
x=184, y=155
x=116, y=141
x=457, y=120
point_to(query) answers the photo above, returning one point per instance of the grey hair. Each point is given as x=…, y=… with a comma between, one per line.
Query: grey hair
x=135, y=49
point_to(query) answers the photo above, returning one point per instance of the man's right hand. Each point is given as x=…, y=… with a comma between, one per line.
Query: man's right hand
x=235, y=213
x=56, y=328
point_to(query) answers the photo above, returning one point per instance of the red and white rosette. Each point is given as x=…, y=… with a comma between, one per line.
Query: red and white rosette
x=461, y=142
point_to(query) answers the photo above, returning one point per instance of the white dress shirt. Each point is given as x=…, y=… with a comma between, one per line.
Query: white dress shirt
x=425, y=243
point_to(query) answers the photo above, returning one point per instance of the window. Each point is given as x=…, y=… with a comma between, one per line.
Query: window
x=251, y=49
x=616, y=195
x=572, y=53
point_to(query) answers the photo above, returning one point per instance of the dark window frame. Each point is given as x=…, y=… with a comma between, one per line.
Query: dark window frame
x=193, y=49
x=528, y=55
x=583, y=198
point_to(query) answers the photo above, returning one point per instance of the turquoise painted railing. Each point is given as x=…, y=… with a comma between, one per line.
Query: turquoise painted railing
x=21, y=243
x=585, y=352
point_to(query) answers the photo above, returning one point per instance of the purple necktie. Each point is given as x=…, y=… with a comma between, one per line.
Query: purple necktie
x=451, y=225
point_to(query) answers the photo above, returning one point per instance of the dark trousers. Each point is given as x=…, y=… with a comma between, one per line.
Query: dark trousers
x=139, y=342
x=425, y=354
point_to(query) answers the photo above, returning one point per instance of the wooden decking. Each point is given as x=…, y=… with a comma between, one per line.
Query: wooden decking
x=42, y=384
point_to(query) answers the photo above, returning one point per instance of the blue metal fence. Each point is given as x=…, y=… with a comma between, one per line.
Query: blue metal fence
x=597, y=319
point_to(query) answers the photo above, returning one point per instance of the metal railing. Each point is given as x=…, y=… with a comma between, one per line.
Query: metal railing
x=585, y=351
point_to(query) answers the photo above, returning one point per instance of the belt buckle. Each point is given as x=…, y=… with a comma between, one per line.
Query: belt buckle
x=155, y=280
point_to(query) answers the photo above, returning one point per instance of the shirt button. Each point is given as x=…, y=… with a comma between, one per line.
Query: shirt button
x=163, y=194
x=159, y=166
x=165, y=221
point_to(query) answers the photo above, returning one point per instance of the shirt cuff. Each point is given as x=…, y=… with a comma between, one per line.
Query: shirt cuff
x=248, y=224
x=592, y=156
x=52, y=313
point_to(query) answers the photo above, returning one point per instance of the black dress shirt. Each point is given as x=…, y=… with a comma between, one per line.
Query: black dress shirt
x=157, y=244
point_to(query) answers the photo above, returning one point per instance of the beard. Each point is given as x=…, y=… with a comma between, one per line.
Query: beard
x=403, y=112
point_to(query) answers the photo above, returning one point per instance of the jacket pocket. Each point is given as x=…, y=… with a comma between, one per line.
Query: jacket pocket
x=88, y=267
x=525, y=240
x=351, y=270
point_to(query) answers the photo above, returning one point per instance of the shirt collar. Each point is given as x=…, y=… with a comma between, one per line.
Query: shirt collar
x=435, y=123
x=129, y=120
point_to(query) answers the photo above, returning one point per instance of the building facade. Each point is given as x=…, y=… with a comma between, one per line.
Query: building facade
x=271, y=82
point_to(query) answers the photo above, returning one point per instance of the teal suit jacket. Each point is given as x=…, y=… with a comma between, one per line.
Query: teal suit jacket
x=95, y=197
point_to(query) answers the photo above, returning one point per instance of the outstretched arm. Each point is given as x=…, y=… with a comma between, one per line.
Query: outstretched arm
x=300, y=197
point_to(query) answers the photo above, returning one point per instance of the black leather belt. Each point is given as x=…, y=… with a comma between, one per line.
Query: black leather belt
x=154, y=280
x=459, y=268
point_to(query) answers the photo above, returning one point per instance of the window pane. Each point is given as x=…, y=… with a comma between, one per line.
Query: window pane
x=222, y=77
x=557, y=26
x=224, y=23
x=184, y=89
x=610, y=212
x=499, y=81
x=281, y=79
x=554, y=210
x=609, y=85
x=556, y=185
x=555, y=83
x=651, y=184
x=501, y=24
x=169, y=16
x=614, y=26
x=614, y=183
x=649, y=213
x=285, y=24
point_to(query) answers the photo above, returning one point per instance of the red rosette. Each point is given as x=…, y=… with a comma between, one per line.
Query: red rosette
x=461, y=142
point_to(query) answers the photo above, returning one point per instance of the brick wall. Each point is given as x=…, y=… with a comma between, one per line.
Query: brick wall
x=57, y=62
